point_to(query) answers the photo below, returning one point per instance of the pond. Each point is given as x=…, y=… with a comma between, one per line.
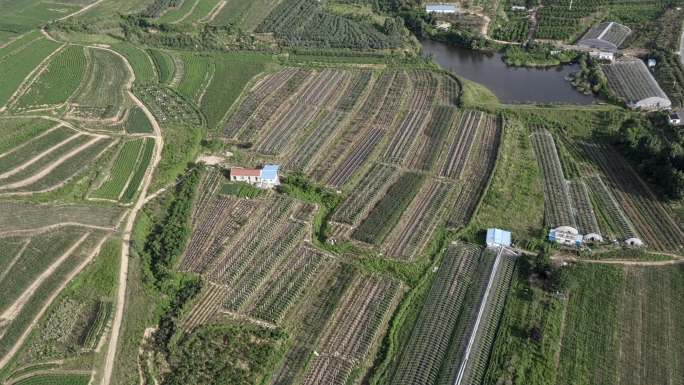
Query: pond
x=509, y=84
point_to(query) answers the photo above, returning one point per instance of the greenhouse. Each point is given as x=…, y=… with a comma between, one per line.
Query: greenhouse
x=606, y=36
x=632, y=82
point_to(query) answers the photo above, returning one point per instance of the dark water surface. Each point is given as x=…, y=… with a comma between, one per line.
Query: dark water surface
x=509, y=84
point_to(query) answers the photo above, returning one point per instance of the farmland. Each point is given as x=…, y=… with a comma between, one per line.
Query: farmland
x=128, y=255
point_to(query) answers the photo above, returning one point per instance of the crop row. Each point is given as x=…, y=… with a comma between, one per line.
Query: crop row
x=58, y=81
x=55, y=379
x=247, y=274
x=584, y=212
x=652, y=219
x=141, y=169
x=43, y=143
x=97, y=325
x=19, y=63
x=366, y=194
x=223, y=220
x=356, y=158
x=60, y=171
x=406, y=134
x=208, y=186
x=388, y=210
x=479, y=167
x=620, y=225
x=270, y=84
x=208, y=304
x=286, y=127
x=423, y=92
x=406, y=241
x=124, y=167
x=244, y=248
x=433, y=137
x=313, y=318
x=353, y=330
x=355, y=128
x=449, y=92
x=103, y=85
x=459, y=150
x=271, y=104
x=557, y=203
x=357, y=86
x=426, y=351
x=316, y=140
x=286, y=284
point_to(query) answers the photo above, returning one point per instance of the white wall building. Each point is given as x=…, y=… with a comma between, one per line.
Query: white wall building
x=441, y=8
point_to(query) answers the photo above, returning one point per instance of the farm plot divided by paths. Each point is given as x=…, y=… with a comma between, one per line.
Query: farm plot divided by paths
x=127, y=171
x=454, y=333
x=557, y=204
x=651, y=218
x=353, y=331
x=48, y=160
x=250, y=275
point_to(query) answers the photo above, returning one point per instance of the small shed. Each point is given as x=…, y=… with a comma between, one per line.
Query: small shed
x=440, y=8
x=269, y=175
x=675, y=118
x=566, y=235
x=498, y=238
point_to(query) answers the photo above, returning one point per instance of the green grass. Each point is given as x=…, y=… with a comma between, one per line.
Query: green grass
x=27, y=14
x=56, y=379
x=246, y=15
x=9, y=248
x=241, y=189
x=163, y=63
x=515, y=198
x=125, y=165
x=141, y=169
x=18, y=65
x=198, y=71
x=59, y=81
x=517, y=358
x=174, y=15
x=138, y=123
x=233, y=71
x=37, y=146
x=16, y=131
x=201, y=11
x=140, y=61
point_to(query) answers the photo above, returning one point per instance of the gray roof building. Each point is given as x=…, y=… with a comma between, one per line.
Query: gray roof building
x=607, y=36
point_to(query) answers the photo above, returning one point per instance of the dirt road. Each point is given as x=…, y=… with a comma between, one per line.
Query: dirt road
x=110, y=357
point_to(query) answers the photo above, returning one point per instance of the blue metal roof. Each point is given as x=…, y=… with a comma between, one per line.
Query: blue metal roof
x=270, y=172
x=440, y=7
x=498, y=237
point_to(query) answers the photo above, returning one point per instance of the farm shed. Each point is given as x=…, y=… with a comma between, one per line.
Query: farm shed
x=269, y=175
x=440, y=8
x=498, y=238
x=566, y=235
x=632, y=82
x=606, y=36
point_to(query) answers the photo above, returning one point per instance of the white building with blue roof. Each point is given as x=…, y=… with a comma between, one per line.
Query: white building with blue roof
x=269, y=176
x=498, y=238
x=266, y=177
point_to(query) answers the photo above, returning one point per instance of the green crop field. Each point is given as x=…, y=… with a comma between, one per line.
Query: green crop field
x=101, y=95
x=125, y=166
x=58, y=81
x=244, y=14
x=138, y=123
x=231, y=74
x=163, y=64
x=56, y=379
x=17, y=131
x=140, y=60
x=18, y=64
